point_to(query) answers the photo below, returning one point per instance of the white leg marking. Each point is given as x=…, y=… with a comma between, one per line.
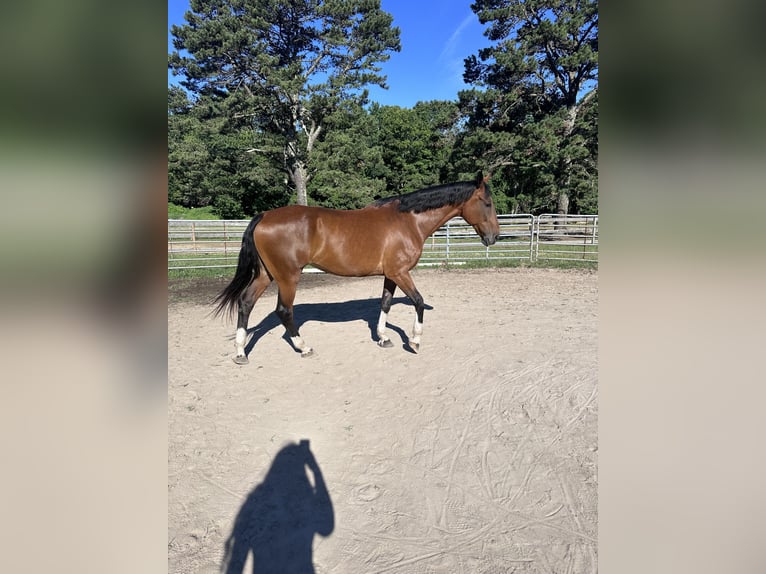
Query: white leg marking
x=382, y=326
x=302, y=346
x=240, y=341
x=417, y=330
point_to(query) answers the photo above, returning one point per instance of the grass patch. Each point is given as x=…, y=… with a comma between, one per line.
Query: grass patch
x=520, y=263
x=217, y=273
x=191, y=259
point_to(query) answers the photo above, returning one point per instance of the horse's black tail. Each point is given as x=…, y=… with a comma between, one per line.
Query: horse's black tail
x=247, y=270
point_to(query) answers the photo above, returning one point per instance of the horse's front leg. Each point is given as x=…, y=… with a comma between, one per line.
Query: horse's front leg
x=389, y=286
x=406, y=284
x=417, y=329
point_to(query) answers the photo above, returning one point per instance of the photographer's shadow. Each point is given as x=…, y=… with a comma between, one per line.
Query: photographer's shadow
x=278, y=520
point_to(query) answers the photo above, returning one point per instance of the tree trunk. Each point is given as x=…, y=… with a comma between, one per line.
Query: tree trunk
x=300, y=181
x=297, y=172
x=296, y=161
x=562, y=203
x=296, y=168
x=562, y=207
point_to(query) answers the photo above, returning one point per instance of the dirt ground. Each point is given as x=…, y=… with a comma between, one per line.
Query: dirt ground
x=479, y=454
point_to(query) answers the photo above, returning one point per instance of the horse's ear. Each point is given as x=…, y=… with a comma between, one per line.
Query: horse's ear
x=479, y=179
x=486, y=177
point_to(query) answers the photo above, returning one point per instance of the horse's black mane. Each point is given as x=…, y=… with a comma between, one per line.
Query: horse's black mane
x=434, y=197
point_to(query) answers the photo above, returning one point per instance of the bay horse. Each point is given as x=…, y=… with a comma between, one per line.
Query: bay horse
x=385, y=238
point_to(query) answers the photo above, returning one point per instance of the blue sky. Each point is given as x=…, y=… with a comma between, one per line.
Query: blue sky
x=435, y=36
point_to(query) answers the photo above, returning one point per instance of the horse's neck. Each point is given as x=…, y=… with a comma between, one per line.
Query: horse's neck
x=431, y=220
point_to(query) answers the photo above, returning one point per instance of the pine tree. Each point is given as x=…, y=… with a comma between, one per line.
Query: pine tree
x=539, y=77
x=281, y=67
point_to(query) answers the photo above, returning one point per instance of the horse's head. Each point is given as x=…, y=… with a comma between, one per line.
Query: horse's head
x=479, y=211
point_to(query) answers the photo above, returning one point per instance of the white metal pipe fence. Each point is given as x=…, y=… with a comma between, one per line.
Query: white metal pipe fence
x=205, y=244
x=566, y=237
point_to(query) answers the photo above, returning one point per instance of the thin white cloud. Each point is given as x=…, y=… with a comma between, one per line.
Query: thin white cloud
x=451, y=43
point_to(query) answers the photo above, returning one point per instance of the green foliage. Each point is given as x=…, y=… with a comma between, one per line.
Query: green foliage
x=208, y=163
x=548, y=47
x=180, y=212
x=282, y=67
x=228, y=207
x=186, y=150
x=415, y=143
x=534, y=123
x=274, y=110
x=348, y=161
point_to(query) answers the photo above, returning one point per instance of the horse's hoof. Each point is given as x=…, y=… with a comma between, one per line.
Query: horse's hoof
x=241, y=360
x=387, y=344
x=415, y=347
x=307, y=353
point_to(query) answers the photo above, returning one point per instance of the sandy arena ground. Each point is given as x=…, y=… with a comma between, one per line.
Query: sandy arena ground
x=477, y=455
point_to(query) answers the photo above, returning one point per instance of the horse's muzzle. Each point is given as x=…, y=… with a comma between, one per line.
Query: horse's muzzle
x=488, y=240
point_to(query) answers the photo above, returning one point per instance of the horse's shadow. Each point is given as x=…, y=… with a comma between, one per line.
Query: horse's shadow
x=341, y=312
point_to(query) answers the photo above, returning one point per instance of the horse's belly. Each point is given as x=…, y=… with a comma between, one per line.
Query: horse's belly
x=348, y=262
x=347, y=269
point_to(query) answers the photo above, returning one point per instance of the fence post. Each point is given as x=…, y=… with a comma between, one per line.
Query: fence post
x=531, y=237
x=448, y=242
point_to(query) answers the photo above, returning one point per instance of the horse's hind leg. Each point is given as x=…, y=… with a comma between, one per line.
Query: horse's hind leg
x=285, y=301
x=246, y=303
x=389, y=286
